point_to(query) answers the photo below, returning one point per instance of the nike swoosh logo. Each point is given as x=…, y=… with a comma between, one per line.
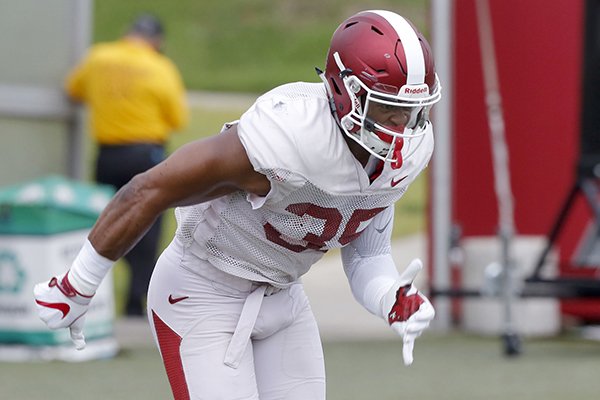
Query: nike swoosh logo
x=394, y=183
x=64, y=308
x=380, y=230
x=174, y=300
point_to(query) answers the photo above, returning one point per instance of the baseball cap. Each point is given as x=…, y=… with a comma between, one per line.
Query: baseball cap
x=147, y=25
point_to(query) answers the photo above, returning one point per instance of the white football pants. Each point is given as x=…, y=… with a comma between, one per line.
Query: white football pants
x=222, y=338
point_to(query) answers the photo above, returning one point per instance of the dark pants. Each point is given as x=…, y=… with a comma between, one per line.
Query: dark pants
x=115, y=166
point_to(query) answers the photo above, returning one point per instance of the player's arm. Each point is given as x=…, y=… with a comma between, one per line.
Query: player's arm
x=377, y=285
x=197, y=172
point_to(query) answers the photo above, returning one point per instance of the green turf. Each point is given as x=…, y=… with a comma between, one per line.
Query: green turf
x=448, y=367
x=459, y=367
x=242, y=45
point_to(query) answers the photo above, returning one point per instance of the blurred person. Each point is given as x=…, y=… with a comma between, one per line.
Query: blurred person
x=136, y=100
x=307, y=168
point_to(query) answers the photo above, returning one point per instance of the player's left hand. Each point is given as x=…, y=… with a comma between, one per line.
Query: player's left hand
x=408, y=311
x=61, y=306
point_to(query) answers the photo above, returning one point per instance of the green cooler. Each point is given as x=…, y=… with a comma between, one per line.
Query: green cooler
x=43, y=224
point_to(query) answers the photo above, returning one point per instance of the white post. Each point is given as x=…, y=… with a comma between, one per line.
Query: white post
x=81, y=35
x=441, y=210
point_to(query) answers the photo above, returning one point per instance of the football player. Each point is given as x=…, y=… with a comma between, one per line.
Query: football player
x=307, y=168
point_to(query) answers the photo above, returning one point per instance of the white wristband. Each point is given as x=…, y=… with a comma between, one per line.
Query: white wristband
x=88, y=270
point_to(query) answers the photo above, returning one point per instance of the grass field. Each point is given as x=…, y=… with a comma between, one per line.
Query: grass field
x=447, y=367
x=241, y=45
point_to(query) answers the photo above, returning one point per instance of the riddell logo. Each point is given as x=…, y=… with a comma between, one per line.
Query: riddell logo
x=417, y=90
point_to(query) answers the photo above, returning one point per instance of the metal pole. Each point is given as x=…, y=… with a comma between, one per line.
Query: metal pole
x=501, y=169
x=81, y=39
x=441, y=182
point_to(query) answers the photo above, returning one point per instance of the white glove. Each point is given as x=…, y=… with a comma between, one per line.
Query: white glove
x=61, y=306
x=408, y=311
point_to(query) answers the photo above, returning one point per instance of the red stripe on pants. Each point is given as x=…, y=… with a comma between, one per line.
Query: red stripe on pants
x=170, y=342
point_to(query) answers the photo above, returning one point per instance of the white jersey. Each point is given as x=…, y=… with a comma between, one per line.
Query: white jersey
x=321, y=197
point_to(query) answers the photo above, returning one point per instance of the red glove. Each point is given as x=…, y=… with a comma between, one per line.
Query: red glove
x=61, y=306
x=408, y=311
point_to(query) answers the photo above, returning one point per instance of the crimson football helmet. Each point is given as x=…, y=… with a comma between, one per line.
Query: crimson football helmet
x=380, y=57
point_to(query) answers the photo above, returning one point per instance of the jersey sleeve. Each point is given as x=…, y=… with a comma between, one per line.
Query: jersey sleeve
x=291, y=137
x=267, y=133
x=368, y=263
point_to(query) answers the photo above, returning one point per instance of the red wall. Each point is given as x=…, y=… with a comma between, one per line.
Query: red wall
x=538, y=50
x=539, y=56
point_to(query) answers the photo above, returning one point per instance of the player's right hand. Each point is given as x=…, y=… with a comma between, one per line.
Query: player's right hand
x=59, y=305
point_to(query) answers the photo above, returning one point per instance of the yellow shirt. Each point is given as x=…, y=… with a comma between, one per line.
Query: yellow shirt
x=135, y=94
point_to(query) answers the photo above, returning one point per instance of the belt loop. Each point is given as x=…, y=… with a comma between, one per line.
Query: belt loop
x=245, y=325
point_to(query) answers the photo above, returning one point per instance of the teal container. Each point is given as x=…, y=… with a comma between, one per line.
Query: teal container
x=51, y=205
x=42, y=226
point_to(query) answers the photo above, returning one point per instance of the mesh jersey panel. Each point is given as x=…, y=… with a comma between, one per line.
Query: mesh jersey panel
x=320, y=196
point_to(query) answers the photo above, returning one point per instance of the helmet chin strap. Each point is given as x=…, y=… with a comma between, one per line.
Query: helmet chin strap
x=321, y=75
x=370, y=127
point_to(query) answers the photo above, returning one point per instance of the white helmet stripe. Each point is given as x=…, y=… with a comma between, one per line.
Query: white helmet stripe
x=415, y=61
